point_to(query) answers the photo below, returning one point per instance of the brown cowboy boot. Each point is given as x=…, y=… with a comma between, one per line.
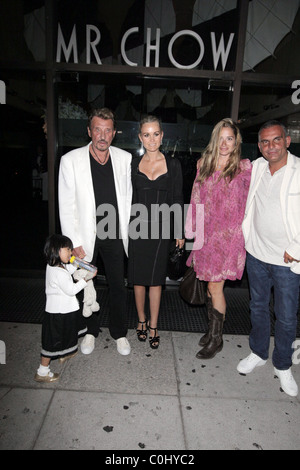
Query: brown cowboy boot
x=206, y=338
x=215, y=344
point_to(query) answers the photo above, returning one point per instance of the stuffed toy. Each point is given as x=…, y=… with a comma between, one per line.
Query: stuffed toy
x=90, y=303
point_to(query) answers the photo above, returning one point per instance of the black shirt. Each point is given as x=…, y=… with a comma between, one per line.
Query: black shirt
x=107, y=218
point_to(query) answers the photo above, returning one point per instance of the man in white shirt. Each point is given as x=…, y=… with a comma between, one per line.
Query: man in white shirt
x=93, y=179
x=271, y=229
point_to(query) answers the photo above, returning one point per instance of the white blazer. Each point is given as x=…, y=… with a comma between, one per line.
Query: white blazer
x=77, y=207
x=290, y=204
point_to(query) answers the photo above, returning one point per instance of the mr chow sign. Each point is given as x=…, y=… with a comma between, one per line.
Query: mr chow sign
x=217, y=46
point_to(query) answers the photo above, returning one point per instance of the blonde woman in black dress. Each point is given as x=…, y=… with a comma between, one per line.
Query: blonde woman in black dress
x=156, y=180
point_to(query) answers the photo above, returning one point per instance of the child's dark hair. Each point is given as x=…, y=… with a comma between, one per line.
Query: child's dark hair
x=52, y=246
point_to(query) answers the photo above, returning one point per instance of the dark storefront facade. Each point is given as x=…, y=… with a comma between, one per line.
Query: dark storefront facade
x=191, y=62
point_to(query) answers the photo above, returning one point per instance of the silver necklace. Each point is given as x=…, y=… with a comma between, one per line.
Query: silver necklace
x=98, y=159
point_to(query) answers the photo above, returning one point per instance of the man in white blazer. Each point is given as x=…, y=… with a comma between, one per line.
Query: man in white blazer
x=271, y=229
x=94, y=193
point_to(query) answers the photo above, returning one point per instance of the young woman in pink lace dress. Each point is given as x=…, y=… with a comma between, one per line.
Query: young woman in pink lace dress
x=221, y=185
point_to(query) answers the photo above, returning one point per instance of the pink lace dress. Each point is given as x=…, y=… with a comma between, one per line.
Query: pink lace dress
x=223, y=254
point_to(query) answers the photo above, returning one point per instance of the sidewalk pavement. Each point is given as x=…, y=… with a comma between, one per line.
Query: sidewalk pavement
x=151, y=400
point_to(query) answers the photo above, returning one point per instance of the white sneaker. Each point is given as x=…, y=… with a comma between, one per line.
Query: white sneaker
x=123, y=346
x=88, y=344
x=249, y=363
x=287, y=381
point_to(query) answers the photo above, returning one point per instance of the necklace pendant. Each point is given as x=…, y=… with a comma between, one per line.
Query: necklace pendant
x=98, y=159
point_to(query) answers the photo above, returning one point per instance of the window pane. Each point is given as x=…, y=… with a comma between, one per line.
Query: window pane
x=22, y=30
x=23, y=171
x=273, y=36
x=259, y=104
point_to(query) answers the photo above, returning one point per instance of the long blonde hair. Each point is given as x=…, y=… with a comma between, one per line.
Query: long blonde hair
x=211, y=153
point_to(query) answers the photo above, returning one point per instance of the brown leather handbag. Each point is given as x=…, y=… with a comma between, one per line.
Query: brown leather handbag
x=191, y=289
